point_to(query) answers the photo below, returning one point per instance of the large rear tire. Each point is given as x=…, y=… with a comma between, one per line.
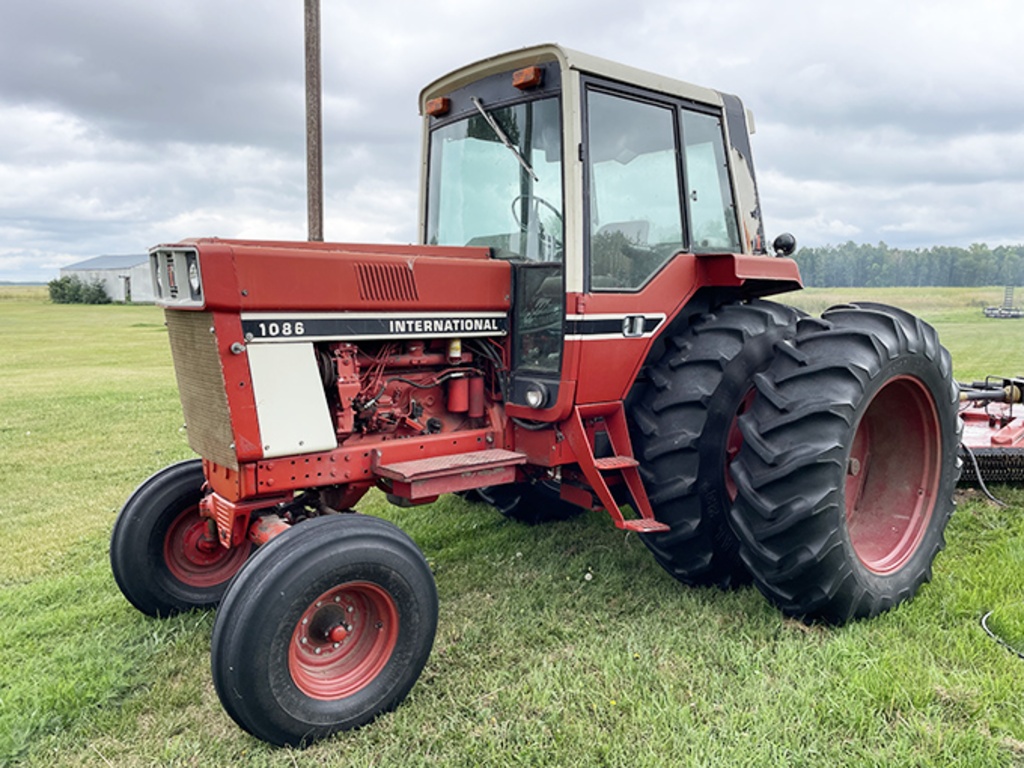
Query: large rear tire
x=848, y=465
x=530, y=503
x=685, y=434
x=328, y=626
x=164, y=559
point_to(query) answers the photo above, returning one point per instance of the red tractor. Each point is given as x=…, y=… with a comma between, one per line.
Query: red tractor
x=581, y=327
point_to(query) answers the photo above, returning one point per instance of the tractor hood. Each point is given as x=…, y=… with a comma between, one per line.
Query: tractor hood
x=306, y=276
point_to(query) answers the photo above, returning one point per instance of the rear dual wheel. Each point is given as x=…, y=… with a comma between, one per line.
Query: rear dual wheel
x=164, y=555
x=849, y=462
x=328, y=626
x=684, y=430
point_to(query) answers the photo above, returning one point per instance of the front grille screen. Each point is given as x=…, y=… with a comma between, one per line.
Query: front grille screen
x=201, y=385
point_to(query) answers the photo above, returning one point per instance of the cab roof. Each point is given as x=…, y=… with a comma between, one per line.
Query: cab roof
x=568, y=60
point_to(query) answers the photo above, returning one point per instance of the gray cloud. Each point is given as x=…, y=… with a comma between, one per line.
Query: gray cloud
x=124, y=124
x=187, y=71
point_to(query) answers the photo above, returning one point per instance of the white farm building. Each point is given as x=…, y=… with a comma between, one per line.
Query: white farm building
x=126, y=278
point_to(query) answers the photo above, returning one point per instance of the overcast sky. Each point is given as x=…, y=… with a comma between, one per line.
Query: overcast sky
x=125, y=123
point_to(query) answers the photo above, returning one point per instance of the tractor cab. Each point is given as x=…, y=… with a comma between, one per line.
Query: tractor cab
x=591, y=179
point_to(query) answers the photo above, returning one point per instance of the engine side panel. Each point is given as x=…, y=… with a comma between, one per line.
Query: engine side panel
x=291, y=406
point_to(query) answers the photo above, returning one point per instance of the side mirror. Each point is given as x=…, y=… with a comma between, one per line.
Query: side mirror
x=784, y=244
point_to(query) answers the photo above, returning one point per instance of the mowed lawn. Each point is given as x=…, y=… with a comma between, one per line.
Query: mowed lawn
x=561, y=645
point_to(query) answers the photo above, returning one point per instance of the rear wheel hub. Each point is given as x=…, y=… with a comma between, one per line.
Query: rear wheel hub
x=893, y=475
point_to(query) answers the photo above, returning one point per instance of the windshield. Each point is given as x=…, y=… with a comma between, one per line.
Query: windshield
x=496, y=180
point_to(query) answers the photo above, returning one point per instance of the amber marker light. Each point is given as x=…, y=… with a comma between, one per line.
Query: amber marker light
x=528, y=77
x=439, y=106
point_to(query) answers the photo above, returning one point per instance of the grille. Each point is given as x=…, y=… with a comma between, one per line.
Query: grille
x=201, y=385
x=386, y=282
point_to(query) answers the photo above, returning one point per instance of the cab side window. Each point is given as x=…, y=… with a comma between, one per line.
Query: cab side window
x=635, y=209
x=712, y=212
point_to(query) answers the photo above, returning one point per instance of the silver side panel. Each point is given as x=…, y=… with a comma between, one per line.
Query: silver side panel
x=291, y=406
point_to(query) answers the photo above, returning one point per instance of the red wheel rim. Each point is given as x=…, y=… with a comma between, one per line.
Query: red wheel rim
x=734, y=441
x=195, y=558
x=892, y=475
x=343, y=640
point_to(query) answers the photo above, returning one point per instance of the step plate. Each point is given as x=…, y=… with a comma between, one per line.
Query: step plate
x=645, y=526
x=443, y=466
x=616, y=462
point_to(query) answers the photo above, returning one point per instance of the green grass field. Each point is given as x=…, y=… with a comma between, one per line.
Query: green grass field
x=559, y=645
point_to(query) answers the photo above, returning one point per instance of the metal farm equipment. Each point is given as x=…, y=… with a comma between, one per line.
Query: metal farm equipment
x=993, y=439
x=581, y=326
x=1007, y=309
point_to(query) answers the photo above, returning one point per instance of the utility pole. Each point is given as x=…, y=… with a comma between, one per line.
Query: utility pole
x=314, y=125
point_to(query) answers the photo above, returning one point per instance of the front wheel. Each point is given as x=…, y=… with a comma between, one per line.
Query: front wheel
x=849, y=463
x=164, y=556
x=327, y=627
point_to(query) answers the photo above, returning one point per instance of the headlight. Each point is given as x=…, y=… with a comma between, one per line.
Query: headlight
x=177, y=278
x=536, y=395
x=193, y=277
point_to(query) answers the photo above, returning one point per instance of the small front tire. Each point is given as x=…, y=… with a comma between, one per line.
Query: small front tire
x=162, y=553
x=326, y=628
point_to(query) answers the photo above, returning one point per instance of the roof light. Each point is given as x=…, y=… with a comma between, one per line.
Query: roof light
x=528, y=77
x=439, y=106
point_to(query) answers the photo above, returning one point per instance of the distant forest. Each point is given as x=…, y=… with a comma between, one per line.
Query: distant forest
x=856, y=265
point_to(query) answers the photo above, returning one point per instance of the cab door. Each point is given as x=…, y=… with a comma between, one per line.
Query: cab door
x=657, y=192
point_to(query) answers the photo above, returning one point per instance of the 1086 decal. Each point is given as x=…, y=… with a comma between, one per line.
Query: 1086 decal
x=314, y=327
x=286, y=328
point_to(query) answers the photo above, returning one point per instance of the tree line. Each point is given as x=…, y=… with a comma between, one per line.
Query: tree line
x=861, y=265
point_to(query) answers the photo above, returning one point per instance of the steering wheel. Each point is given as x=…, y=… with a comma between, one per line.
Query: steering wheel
x=536, y=203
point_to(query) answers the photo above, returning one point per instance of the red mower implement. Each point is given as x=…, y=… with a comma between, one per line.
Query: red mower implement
x=993, y=416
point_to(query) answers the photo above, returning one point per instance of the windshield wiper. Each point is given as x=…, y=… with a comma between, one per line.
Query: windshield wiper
x=501, y=135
